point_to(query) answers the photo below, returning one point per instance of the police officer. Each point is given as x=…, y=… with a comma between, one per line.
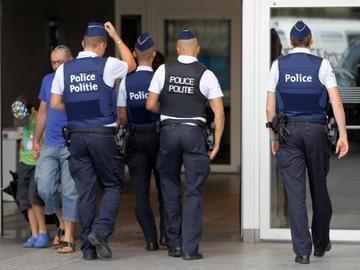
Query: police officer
x=86, y=86
x=183, y=86
x=299, y=87
x=144, y=139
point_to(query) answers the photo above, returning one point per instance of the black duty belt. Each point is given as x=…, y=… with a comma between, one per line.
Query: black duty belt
x=167, y=122
x=104, y=130
x=321, y=121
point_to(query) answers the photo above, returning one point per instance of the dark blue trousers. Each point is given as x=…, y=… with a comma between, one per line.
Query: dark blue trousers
x=95, y=160
x=183, y=144
x=307, y=148
x=142, y=161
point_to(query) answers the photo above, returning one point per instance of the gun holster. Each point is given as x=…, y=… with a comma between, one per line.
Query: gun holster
x=66, y=131
x=279, y=126
x=333, y=132
x=122, y=138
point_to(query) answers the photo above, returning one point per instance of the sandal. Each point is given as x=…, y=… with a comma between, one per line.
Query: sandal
x=57, y=241
x=66, y=247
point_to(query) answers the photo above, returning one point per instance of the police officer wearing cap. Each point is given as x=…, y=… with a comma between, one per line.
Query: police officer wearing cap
x=182, y=87
x=84, y=88
x=299, y=88
x=144, y=140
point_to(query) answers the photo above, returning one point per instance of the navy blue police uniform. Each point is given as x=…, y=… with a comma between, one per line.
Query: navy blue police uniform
x=183, y=142
x=90, y=105
x=144, y=145
x=303, y=99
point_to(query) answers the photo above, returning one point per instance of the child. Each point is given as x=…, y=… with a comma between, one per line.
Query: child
x=26, y=188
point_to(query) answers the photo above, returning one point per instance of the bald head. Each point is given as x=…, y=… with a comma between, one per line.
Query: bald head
x=188, y=47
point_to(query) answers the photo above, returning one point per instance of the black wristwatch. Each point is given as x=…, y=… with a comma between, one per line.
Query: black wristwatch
x=269, y=125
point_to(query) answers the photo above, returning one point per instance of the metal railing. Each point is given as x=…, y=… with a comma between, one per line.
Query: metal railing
x=350, y=95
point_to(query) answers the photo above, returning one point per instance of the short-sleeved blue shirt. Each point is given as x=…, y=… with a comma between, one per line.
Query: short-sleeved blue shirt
x=56, y=120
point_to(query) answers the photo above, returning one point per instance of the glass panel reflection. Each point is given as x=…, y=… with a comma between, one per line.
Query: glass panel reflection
x=336, y=34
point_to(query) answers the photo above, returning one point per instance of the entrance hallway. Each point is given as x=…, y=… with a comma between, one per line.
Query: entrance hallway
x=221, y=244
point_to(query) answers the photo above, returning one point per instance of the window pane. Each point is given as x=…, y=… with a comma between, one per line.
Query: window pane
x=130, y=29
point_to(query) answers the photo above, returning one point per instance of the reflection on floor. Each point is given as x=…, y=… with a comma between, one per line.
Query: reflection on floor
x=343, y=185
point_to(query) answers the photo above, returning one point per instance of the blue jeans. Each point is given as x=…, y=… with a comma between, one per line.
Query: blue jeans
x=54, y=182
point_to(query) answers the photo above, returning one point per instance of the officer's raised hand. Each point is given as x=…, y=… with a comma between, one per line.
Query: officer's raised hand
x=125, y=53
x=109, y=27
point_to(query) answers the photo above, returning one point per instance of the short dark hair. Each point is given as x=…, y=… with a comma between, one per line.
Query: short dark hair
x=94, y=41
x=302, y=42
x=144, y=55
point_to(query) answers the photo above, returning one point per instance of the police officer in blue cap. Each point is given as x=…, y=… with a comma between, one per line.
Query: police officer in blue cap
x=182, y=87
x=299, y=88
x=84, y=88
x=144, y=140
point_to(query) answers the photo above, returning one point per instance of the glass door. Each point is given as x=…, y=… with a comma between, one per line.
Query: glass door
x=336, y=34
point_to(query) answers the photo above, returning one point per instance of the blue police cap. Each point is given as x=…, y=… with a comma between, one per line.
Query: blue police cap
x=144, y=42
x=95, y=29
x=185, y=34
x=300, y=30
